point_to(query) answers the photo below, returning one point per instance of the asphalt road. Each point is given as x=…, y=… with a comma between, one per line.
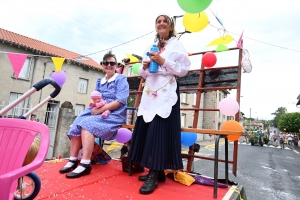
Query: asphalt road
x=265, y=172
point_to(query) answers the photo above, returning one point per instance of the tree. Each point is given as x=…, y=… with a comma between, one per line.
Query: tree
x=290, y=121
x=267, y=123
x=280, y=111
x=130, y=101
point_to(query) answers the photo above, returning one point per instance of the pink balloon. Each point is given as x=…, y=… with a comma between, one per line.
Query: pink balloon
x=229, y=106
x=123, y=135
x=59, y=77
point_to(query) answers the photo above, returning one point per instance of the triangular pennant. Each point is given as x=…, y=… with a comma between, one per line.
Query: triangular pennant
x=132, y=58
x=239, y=44
x=58, y=62
x=222, y=40
x=221, y=47
x=17, y=61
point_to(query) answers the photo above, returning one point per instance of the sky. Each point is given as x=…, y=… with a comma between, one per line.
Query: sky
x=92, y=27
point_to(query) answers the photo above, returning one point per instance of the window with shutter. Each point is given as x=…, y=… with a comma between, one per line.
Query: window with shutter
x=18, y=110
x=82, y=86
x=79, y=108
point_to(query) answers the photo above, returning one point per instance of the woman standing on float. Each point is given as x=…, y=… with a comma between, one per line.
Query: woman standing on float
x=156, y=142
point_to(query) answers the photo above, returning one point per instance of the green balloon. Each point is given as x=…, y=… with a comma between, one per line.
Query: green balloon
x=135, y=68
x=193, y=6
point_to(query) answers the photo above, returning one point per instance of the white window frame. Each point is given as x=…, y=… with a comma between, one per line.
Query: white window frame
x=129, y=72
x=17, y=110
x=79, y=108
x=195, y=99
x=183, y=118
x=82, y=85
x=25, y=71
x=183, y=99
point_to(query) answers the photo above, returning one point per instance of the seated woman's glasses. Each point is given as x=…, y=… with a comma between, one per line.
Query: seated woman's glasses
x=109, y=63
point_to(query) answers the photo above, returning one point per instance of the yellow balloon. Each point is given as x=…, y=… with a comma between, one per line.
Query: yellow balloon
x=132, y=58
x=195, y=22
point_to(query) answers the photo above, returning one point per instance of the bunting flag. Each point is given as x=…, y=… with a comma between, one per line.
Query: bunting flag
x=221, y=40
x=221, y=47
x=132, y=58
x=239, y=43
x=17, y=61
x=58, y=62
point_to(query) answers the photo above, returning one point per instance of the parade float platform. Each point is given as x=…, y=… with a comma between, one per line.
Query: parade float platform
x=110, y=182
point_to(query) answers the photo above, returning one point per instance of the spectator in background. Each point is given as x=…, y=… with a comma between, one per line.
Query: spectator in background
x=271, y=136
x=290, y=139
x=281, y=140
x=33, y=117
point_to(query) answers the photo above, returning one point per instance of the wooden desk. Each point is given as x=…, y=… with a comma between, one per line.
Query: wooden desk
x=219, y=134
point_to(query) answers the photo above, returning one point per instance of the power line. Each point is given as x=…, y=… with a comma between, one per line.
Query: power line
x=153, y=31
x=120, y=44
x=84, y=23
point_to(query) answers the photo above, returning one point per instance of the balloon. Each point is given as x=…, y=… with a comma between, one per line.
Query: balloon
x=188, y=138
x=232, y=125
x=135, y=68
x=123, y=135
x=59, y=77
x=228, y=106
x=195, y=22
x=209, y=59
x=194, y=6
x=119, y=70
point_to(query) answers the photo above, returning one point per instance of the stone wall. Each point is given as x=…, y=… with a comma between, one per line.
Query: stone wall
x=66, y=117
x=209, y=117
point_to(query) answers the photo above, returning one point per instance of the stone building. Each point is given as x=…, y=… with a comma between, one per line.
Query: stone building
x=82, y=73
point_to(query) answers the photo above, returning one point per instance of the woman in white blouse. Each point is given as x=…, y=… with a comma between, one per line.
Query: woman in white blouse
x=156, y=140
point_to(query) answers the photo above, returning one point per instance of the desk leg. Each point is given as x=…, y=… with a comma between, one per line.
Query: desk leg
x=130, y=164
x=216, y=166
x=226, y=160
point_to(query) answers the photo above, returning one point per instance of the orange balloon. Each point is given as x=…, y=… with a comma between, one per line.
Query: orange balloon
x=232, y=125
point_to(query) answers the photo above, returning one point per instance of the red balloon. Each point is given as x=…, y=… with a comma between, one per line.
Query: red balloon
x=209, y=59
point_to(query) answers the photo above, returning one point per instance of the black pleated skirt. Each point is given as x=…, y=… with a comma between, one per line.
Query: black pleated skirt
x=157, y=145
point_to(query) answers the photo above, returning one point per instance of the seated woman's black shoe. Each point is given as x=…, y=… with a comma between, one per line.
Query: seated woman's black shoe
x=150, y=184
x=161, y=177
x=88, y=169
x=68, y=169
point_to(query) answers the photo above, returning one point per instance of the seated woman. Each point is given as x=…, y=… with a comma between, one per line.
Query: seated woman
x=88, y=125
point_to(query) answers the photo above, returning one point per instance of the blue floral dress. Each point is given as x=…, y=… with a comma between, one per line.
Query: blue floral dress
x=116, y=88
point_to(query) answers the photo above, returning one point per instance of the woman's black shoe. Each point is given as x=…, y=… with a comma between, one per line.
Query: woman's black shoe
x=161, y=177
x=150, y=184
x=67, y=169
x=88, y=169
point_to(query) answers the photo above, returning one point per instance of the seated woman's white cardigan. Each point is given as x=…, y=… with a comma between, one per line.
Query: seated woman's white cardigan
x=159, y=93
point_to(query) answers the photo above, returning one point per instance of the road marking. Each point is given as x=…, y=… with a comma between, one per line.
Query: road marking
x=296, y=152
x=213, y=145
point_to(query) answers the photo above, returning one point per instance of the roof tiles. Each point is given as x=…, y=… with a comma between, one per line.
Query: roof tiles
x=44, y=48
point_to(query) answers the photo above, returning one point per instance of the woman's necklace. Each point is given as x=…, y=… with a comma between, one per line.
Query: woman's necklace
x=154, y=92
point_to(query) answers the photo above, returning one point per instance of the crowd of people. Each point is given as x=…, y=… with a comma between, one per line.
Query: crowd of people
x=280, y=138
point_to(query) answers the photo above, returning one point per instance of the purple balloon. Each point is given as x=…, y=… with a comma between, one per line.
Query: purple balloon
x=59, y=77
x=229, y=106
x=123, y=135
